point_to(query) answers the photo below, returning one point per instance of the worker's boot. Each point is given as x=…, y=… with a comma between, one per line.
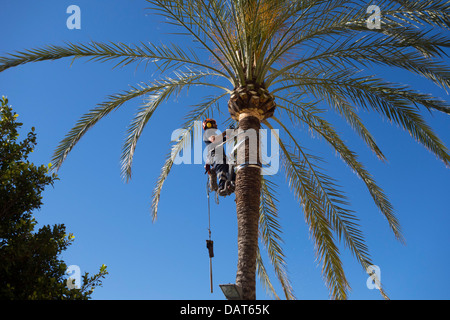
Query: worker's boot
x=230, y=186
x=222, y=190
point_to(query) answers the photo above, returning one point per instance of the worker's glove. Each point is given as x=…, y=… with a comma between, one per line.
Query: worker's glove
x=207, y=168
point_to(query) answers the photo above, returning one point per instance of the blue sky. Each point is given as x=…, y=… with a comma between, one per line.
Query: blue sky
x=168, y=259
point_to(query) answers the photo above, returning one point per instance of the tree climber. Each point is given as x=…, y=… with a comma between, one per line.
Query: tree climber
x=216, y=161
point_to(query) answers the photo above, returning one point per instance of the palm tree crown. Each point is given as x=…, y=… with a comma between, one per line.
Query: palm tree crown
x=285, y=62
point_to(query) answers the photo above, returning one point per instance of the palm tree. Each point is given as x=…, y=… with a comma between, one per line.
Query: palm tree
x=281, y=63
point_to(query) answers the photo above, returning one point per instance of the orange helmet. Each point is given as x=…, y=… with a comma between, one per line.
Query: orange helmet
x=209, y=124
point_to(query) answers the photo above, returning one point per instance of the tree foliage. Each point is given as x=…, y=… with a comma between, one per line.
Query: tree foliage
x=30, y=267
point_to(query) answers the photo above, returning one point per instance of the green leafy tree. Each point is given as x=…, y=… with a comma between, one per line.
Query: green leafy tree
x=30, y=268
x=284, y=63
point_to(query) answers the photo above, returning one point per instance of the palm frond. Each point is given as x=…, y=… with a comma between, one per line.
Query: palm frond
x=321, y=231
x=165, y=57
x=191, y=17
x=352, y=118
x=321, y=203
x=327, y=132
x=188, y=128
x=396, y=103
x=336, y=39
x=329, y=201
x=263, y=275
x=270, y=234
x=432, y=13
x=344, y=220
x=167, y=88
x=93, y=116
x=315, y=19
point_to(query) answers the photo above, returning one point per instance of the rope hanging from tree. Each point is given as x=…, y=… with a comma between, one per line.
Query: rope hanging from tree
x=209, y=242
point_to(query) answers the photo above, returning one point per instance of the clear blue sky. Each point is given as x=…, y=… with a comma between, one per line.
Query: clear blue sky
x=168, y=259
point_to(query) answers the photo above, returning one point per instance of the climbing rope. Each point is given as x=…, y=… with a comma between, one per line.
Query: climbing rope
x=209, y=242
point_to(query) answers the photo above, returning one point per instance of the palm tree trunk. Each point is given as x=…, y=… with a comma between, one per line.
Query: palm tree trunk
x=248, y=189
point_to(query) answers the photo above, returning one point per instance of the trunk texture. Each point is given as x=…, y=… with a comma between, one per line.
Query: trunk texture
x=248, y=189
